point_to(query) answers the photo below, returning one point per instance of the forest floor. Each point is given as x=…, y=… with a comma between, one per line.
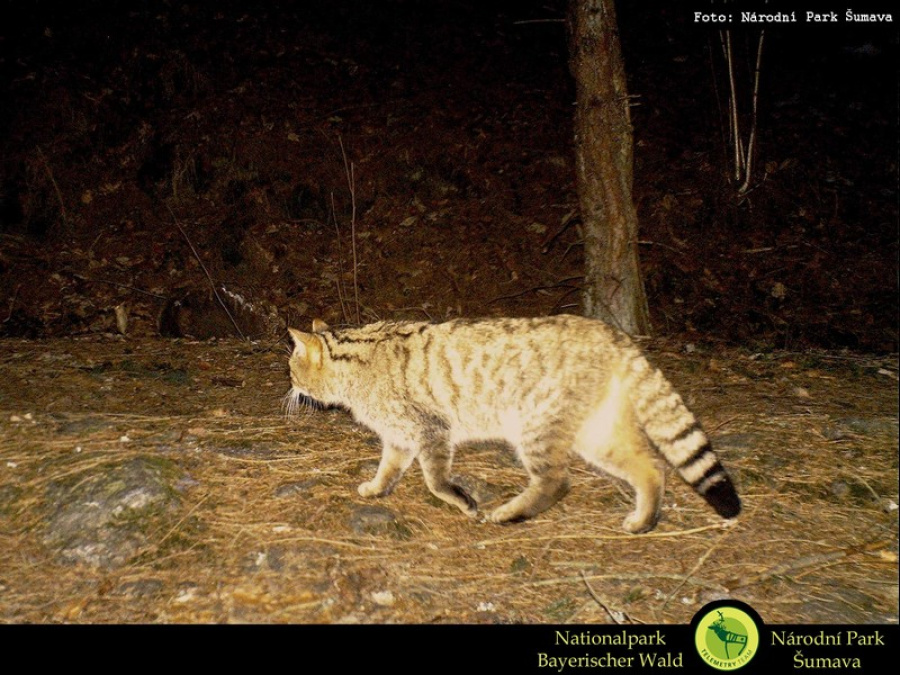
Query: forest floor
x=159, y=481
x=358, y=161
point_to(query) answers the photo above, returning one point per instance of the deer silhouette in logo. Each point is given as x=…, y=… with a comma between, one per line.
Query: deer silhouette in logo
x=728, y=637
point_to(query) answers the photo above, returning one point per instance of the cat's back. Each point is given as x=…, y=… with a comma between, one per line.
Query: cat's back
x=561, y=338
x=515, y=330
x=461, y=343
x=478, y=359
x=504, y=359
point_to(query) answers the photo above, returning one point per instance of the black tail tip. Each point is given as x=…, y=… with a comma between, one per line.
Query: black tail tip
x=724, y=499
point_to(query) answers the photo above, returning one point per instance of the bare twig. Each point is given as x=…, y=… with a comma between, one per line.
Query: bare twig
x=12, y=303
x=118, y=285
x=731, y=419
x=693, y=570
x=647, y=242
x=751, y=144
x=567, y=221
x=641, y=577
x=350, y=171
x=340, y=275
x=733, y=105
x=743, y=152
x=62, y=205
x=617, y=617
x=561, y=284
x=656, y=534
x=807, y=562
x=181, y=520
x=529, y=21
x=208, y=275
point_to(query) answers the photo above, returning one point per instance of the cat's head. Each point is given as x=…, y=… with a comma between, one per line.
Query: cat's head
x=309, y=368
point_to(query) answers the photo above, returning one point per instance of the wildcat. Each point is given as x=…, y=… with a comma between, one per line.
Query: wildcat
x=547, y=386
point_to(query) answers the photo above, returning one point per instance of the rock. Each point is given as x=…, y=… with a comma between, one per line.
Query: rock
x=378, y=520
x=100, y=517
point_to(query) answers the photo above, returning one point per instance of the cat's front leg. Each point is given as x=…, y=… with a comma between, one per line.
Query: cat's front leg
x=435, y=460
x=394, y=462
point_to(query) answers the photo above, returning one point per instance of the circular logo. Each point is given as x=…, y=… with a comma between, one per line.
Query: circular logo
x=726, y=634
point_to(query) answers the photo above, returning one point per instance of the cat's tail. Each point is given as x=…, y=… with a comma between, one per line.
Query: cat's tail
x=677, y=435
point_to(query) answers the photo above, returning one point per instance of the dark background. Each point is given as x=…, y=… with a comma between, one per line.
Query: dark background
x=122, y=121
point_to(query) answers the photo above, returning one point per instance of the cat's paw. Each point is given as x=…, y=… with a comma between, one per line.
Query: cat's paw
x=638, y=523
x=464, y=500
x=368, y=489
x=506, y=514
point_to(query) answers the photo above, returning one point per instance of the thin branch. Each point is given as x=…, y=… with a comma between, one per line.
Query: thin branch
x=62, y=205
x=656, y=534
x=623, y=618
x=804, y=563
x=561, y=284
x=350, y=171
x=208, y=275
x=748, y=170
x=528, y=21
x=12, y=303
x=743, y=153
x=735, y=120
x=340, y=276
x=571, y=218
x=697, y=566
x=118, y=285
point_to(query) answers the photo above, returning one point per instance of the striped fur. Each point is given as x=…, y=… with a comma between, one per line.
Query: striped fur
x=547, y=386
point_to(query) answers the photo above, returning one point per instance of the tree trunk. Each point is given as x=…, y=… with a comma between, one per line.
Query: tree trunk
x=614, y=288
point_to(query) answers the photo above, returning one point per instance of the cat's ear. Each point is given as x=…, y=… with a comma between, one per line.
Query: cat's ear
x=306, y=346
x=319, y=326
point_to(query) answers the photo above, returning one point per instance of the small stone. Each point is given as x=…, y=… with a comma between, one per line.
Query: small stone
x=383, y=598
x=372, y=519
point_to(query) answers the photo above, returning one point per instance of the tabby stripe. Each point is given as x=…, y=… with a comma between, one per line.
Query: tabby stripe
x=405, y=359
x=699, y=466
x=446, y=367
x=696, y=456
x=427, y=366
x=690, y=426
x=715, y=477
x=333, y=345
x=711, y=476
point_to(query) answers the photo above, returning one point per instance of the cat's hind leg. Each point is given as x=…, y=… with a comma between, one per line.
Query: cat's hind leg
x=548, y=475
x=622, y=450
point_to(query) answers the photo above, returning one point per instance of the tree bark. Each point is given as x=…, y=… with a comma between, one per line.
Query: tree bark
x=614, y=288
